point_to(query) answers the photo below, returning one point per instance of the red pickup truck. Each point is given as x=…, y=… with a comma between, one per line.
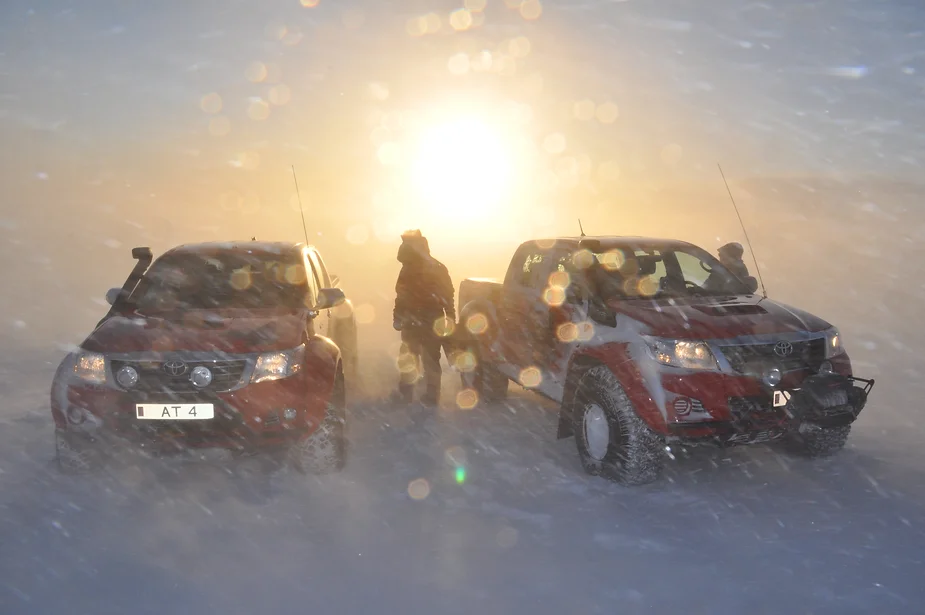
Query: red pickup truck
x=646, y=343
x=245, y=346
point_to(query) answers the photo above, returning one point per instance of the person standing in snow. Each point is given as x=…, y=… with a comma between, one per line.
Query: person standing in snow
x=424, y=313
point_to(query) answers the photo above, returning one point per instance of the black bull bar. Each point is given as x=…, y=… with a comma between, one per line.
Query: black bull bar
x=829, y=400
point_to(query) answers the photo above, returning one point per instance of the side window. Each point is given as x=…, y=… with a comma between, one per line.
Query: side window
x=691, y=268
x=321, y=274
x=313, y=285
x=659, y=265
x=570, y=276
x=535, y=271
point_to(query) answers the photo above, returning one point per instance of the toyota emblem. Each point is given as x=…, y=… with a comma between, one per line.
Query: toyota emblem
x=175, y=368
x=783, y=349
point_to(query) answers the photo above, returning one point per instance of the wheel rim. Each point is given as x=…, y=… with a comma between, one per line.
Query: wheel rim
x=597, y=432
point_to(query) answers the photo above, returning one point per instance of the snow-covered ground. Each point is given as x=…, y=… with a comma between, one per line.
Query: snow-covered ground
x=401, y=530
x=149, y=123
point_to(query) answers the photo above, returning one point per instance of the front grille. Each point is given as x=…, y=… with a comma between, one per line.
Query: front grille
x=152, y=377
x=757, y=358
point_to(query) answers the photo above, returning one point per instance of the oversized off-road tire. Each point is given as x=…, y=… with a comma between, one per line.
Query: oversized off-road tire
x=485, y=379
x=75, y=456
x=815, y=441
x=324, y=450
x=612, y=440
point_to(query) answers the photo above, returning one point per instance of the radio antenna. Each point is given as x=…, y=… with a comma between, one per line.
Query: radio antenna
x=580, y=228
x=764, y=291
x=301, y=211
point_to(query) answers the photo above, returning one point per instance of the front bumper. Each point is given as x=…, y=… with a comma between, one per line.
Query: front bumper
x=247, y=419
x=830, y=400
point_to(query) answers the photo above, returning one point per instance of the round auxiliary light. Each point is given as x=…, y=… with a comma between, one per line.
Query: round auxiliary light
x=127, y=377
x=289, y=413
x=826, y=368
x=76, y=415
x=773, y=377
x=201, y=377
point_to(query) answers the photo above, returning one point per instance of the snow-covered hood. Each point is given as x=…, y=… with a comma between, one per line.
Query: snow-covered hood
x=231, y=331
x=719, y=318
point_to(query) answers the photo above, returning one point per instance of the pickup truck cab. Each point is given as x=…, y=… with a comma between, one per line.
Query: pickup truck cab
x=646, y=343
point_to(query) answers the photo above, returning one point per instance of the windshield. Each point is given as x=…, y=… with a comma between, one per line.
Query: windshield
x=222, y=281
x=657, y=271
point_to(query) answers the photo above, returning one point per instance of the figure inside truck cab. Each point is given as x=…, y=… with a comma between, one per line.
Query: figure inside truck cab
x=424, y=313
x=730, y=256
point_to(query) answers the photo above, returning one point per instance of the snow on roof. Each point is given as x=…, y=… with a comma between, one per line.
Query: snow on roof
x=608, y=240
x=259, y=247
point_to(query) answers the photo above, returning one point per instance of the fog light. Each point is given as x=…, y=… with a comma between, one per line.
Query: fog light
x=773, y=377
x=76, y=415
x=826, y=368
x=289, y=413
x=682, y=406
x=127, y=377
x=201, y=377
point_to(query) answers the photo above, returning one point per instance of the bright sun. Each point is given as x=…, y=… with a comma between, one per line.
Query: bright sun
x=463, y=163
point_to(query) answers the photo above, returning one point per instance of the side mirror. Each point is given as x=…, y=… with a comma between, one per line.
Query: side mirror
x=751, y=283
x=574, y=295
x=330, y=297
x=112, y=295
x=600, y=314
x=142, y=253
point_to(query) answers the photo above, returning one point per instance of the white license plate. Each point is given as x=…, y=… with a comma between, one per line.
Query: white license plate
x=174, y=412
x=781, y=398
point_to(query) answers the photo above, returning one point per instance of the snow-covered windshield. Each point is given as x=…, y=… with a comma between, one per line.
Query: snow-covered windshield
x=221, y=281
x=656, y=271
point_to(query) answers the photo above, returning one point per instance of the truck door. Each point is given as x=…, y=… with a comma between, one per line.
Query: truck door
x=523, y=311
x=560, y=315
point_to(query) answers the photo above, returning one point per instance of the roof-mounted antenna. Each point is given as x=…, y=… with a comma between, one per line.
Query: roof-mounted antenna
x=580, y=228
x=301, y=211
x=764, y=291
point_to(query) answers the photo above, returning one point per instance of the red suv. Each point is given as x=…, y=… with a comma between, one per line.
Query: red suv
x=245, y=346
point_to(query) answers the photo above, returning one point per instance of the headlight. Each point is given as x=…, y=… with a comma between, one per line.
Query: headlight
x=278, y=365
x=833, y=345
x=91, y=367
x=681, y=353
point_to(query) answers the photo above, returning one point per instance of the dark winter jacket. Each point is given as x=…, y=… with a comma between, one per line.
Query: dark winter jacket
x=731, y=255
x=424, y=288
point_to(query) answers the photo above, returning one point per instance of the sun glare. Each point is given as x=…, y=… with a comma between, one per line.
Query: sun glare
x=463, y=163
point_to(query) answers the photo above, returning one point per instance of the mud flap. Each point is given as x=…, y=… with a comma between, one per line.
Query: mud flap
x=565, y=430
x=567, y=407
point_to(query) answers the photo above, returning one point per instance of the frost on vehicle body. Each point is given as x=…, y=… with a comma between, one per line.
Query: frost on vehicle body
x=244, y=346
x=689, y=352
